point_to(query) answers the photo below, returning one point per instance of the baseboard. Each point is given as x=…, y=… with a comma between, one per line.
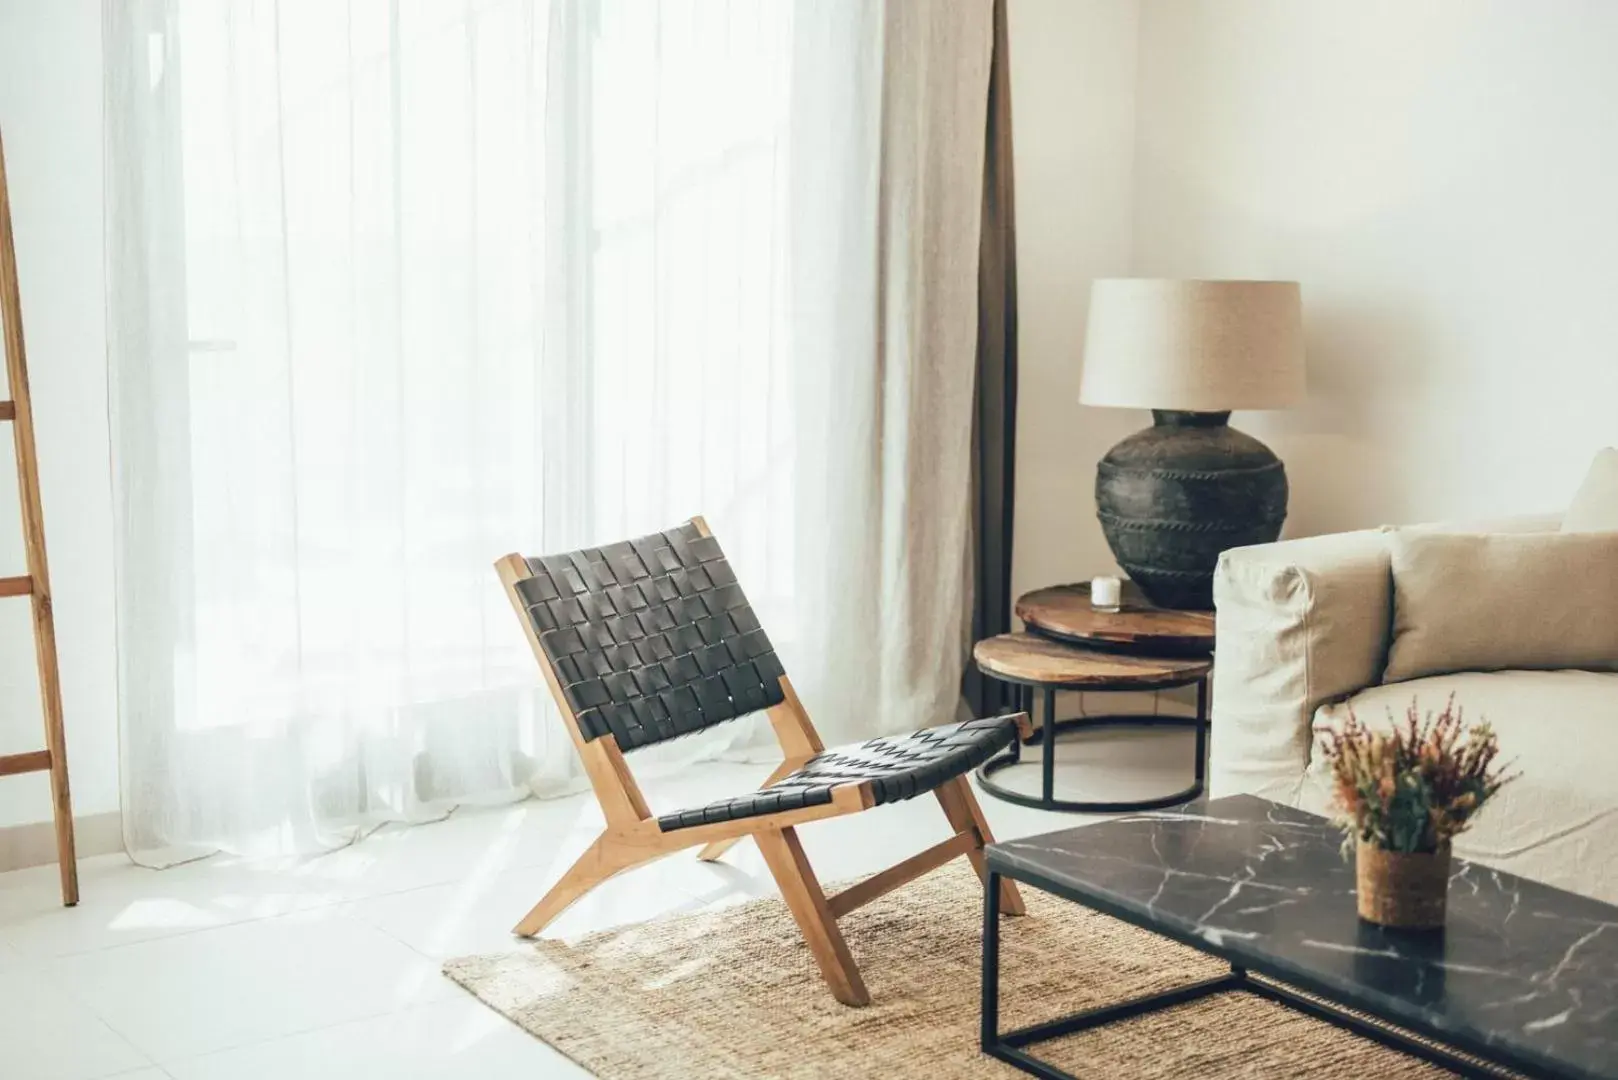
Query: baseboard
x=34, y=844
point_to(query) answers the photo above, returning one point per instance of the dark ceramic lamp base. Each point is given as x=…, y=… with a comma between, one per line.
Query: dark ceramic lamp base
x=1172, y=497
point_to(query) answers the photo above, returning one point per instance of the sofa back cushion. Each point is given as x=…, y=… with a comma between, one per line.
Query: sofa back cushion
x=1595, y=507
x=1492, y=601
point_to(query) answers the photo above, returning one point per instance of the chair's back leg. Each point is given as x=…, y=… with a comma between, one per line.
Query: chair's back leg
x=963, y=811
x=801, y=890
x=716, y=850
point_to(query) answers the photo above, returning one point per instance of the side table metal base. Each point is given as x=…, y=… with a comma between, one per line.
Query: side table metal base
x=1047, y=799
x=1051, y=728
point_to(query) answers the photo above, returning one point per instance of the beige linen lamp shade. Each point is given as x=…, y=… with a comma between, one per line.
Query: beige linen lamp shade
x=1196, y=346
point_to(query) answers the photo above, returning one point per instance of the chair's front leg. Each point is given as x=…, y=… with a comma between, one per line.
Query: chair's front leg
x=801, y=890
x=962, y=809
x=600, y=861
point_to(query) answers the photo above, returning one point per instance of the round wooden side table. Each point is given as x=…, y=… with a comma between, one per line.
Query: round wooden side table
x=1031, y=662
x=1063, y=612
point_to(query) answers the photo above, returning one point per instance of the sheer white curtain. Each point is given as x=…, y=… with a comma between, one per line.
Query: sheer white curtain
x=397, y=287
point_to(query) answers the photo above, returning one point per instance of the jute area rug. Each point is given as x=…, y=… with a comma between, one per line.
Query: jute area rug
x=734, y=992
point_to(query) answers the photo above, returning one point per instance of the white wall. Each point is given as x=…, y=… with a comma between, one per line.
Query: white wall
x=1073, y=83
x=50, y=118
x=1442, y=177
x=1073, y=128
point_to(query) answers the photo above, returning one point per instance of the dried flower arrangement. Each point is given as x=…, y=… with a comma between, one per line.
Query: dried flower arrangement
x=1414, y=787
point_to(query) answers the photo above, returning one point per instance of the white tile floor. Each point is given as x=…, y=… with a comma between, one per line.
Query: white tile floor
x=329, y=967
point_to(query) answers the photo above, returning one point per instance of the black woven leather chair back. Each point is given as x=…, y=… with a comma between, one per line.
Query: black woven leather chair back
x=651, y=638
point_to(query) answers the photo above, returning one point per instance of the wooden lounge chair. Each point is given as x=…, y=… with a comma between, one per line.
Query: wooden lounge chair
x=649, y=639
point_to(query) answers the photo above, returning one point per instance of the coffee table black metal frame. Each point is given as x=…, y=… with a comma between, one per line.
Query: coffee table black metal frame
x=1011, y=1046
x=1051, y=728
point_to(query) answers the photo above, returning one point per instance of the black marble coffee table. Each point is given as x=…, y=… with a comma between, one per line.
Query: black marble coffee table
x=1523, y=976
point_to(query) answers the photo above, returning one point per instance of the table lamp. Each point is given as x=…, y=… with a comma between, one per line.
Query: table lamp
x=1174, y=496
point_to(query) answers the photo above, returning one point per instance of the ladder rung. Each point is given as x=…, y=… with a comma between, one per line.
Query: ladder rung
x=33, y=761
x=8, y=410
x=16, y=586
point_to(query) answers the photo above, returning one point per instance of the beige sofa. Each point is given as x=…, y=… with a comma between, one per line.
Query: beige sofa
x=1303, y=634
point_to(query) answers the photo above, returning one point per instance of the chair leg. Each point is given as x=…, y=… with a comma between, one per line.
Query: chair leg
x=600, y=861
x=714, y=851
x=962, y=809
x=801, y=890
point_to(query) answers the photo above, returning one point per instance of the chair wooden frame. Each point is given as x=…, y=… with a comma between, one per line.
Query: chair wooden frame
x=633, y=836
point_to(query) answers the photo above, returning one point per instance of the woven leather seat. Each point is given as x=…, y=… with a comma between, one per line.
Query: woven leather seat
x=898, y=767
x=652, y=639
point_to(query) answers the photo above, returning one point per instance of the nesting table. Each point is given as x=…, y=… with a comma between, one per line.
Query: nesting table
x=1071, y=646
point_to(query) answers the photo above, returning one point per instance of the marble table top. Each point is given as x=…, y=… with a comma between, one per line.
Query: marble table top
x=1524, y=972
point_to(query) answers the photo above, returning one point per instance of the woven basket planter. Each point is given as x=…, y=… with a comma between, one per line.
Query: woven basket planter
x=1404, y=890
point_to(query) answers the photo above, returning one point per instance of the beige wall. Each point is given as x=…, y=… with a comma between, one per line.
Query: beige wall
x=1073, y=85
x=1073, y=122
x=1442, y=176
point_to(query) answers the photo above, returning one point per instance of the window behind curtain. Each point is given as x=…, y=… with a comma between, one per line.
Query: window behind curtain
x=444, y=279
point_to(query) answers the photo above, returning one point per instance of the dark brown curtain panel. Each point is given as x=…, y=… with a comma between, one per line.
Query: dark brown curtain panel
x=994, y=424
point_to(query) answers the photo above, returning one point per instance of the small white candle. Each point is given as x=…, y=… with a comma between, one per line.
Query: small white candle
x=1106, y=593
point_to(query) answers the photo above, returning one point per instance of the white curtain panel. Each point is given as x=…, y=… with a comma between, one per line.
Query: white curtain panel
x=398, y=286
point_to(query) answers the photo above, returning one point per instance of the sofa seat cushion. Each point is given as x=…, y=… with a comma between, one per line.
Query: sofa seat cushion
x=1558, y=821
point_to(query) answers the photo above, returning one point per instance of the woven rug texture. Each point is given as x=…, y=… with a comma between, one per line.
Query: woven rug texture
x=733, y=992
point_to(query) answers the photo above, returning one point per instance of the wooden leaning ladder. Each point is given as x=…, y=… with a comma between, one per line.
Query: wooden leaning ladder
x=36, y=584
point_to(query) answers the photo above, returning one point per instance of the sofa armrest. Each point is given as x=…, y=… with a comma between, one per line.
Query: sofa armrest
x=1300, y=622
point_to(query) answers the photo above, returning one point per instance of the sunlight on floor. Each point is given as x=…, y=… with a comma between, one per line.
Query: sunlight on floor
x=329, y=966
